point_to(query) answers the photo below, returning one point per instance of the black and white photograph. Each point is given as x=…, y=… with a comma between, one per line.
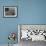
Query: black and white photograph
x=10, y=11
x=28, y=34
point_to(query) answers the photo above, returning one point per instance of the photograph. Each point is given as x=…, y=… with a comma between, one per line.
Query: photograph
x=30, y=33
x=10, y=11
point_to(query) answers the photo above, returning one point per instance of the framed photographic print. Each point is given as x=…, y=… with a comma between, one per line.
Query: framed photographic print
x=10, y=11
x=33, y=32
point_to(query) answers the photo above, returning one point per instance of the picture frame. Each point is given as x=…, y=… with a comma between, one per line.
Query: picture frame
x=41, y=28
x=9, y=11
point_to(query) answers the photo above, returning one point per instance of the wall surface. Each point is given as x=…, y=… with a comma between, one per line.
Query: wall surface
x=7, y=25
x=32, y=11
x=29, y=12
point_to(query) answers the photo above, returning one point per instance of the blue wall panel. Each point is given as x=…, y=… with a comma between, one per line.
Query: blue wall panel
x=29, y=12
